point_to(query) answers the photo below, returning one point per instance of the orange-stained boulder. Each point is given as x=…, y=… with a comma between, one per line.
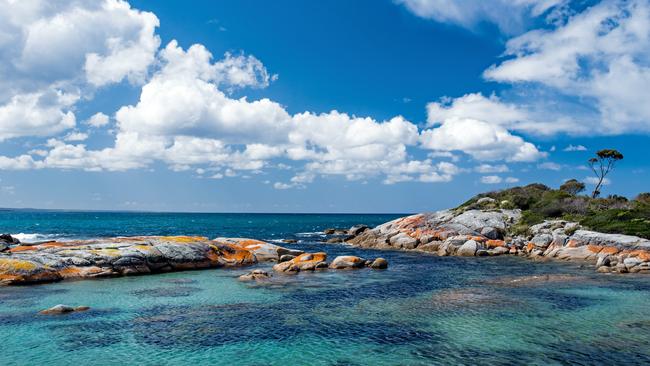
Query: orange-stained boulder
x=303, y=262
x=347, y=262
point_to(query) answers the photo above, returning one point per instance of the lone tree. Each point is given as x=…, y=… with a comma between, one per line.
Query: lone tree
x=572, y=187
x=602, y=164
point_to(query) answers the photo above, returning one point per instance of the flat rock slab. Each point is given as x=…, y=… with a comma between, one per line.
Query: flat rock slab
x=54, y=261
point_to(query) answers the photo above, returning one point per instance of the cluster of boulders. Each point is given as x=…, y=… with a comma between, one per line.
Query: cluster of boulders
x=52, y=261
x=343, y=235
x=488, y=233
x=315, y=261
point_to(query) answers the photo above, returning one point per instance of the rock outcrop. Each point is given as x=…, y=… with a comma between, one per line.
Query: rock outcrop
x=487, y=233
x=54, y=261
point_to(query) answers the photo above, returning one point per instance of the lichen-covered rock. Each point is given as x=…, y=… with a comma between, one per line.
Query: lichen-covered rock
x=303, y=262
x=379, y=263
x=63, y=309
x=53, y=261
x=487, y=233
x=263, y=251
x=347, y=262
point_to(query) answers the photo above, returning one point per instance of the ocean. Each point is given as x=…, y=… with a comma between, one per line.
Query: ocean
x=422, y=310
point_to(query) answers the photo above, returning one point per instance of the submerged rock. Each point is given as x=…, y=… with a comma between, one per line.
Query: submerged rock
x=334, y=240
x=63, y=309
x=255, y=275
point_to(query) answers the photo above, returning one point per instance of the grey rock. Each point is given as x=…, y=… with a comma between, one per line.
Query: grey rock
x=402, y=240
x=468, y=249
x=357, y=229
x=491, y=233
x=8, y=239
x=603, y=261
x=286, y=251
x=286, y=257
x=631, y=262
x=542, y=240
x=618, y=240
x=476, y=220
x=498, y=251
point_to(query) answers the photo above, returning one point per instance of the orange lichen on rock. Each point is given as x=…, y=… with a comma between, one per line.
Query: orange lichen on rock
x=595, y=248
x=410, y=221
x=111, y=252
x=478, y=239
x=184, y=239
x=572, y=243
x=303, y=262
x=609, y=250
x=15, y=265
x=143, y=247
x=232, y=254
x=641, y=254
x=23, y=248
x=248, y=242
x=530, y=247
x=495, y=243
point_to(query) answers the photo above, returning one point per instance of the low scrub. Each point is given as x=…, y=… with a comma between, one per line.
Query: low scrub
x=614, y=214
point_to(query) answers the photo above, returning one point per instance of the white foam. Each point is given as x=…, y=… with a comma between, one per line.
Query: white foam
x=315, y=233
x=32, y=237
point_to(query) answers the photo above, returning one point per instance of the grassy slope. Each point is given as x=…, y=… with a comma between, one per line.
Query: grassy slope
x=538, y=202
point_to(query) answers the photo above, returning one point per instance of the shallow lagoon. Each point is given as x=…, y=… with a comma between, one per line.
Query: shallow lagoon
x=422, y=310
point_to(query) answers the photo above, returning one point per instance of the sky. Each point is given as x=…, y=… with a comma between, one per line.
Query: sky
x=317, y=106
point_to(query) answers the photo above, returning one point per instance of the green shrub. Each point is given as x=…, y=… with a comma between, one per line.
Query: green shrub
x=614, y=214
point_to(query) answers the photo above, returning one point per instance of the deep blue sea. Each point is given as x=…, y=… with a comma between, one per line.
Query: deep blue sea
x=423, y=310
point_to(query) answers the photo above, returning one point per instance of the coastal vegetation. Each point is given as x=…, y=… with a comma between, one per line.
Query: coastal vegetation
x=538, y=202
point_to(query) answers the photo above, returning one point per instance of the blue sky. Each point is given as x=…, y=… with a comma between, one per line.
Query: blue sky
x=350, y=106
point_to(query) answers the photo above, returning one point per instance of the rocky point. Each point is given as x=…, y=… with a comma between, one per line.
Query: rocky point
x=488, y=233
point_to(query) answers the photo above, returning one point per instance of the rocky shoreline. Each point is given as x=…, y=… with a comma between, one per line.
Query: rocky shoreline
x=489, y=233
x=23, y=263
x=469, y=233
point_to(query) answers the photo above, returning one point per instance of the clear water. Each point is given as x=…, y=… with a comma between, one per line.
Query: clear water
x=423, y=310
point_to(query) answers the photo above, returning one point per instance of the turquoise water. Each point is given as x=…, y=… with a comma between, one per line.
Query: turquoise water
x=423, y=310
